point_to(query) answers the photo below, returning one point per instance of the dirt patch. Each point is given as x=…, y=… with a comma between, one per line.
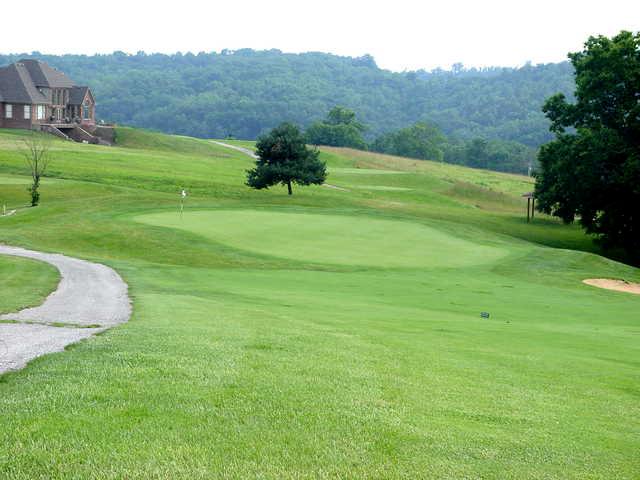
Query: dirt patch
x=618, y=285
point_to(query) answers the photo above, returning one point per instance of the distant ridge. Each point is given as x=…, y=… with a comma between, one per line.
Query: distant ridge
x=243, y=93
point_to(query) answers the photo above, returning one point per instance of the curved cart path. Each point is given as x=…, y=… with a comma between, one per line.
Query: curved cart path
x=246, y=151
x=89, y=295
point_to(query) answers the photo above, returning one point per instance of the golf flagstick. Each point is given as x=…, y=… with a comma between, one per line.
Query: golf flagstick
x=183, y=195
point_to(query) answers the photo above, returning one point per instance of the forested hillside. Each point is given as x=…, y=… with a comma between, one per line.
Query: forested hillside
x=245, y=92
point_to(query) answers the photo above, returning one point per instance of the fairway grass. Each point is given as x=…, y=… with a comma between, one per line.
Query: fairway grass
x=13, y=180
x=330, y=334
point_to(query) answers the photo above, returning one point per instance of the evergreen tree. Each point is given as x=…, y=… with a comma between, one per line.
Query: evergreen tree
x=283, y=157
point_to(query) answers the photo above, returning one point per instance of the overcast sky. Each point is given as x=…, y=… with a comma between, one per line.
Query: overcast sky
x=400, y=34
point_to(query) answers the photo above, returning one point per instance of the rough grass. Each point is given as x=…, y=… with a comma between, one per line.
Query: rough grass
x=249, y=355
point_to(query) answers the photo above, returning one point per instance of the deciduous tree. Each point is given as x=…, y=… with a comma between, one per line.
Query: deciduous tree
x=340, y=129
x=591, y=171
x=36, y=152
x=422, y=140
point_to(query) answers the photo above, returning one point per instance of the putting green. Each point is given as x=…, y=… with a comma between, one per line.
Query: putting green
x=330, y=239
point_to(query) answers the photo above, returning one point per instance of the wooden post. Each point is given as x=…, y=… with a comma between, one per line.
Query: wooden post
x=533, y=206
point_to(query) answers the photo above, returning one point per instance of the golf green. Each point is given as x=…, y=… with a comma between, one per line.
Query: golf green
x=330, y=239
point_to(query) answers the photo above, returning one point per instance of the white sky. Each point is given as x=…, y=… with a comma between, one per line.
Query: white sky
x=400, y=34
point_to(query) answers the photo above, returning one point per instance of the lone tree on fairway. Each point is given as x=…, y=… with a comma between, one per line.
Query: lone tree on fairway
x=36, y=152
x=592, y=170
x=284, y=158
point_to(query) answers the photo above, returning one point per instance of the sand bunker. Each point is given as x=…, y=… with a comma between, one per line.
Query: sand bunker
x=619, y=285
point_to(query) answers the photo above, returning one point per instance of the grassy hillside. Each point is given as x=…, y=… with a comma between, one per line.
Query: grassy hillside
x=332, y=334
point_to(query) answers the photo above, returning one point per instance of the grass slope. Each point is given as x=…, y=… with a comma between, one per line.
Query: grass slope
x=332, y=334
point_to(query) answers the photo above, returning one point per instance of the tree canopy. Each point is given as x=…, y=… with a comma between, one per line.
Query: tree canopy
x=283, y=158
x=422, y=140
x=591, y=171
x=339, y=129
x=244, y=93
x=497, y=155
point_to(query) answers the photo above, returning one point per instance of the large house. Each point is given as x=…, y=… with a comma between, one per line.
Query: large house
x=34, y=95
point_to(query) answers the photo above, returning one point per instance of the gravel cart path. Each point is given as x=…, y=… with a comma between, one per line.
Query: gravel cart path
x=89, y=299
x=246, y=151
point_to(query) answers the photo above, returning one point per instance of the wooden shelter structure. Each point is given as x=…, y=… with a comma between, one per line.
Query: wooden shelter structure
x=531, y=204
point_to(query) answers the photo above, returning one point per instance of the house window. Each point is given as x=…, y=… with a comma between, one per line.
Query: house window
x=8, y=111
x=86, y=111
x=40, y=112
x=27, y=112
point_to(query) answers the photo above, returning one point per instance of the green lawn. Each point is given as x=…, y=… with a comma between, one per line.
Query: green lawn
x=23, y=282
x=331, y=334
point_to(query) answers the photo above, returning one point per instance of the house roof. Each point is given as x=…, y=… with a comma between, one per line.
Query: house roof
x=23, y=81
x=44, y=75
x=77, y=95
x=16, y=86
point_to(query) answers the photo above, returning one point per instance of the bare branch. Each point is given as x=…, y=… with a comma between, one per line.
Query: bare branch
x=36, y=152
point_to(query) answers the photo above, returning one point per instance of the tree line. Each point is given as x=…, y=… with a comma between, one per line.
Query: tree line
x=245, y=93
x=422, y=140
